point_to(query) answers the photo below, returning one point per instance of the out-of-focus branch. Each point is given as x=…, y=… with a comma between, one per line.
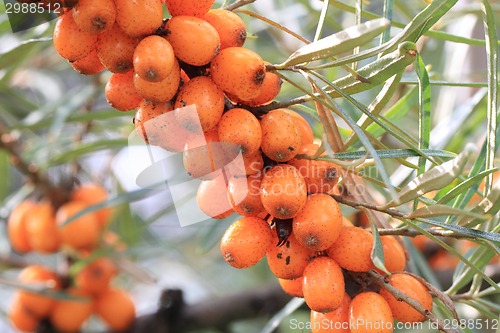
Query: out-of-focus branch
x=238, y=4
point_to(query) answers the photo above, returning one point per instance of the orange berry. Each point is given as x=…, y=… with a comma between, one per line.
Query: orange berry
x=251, y=165
x=323, y=285
x=194, y=40
x=245, y=242
x=242, y=128
x=245, y=194
x=157, y=125
x=16, y=226
x=22, y=318
x=121, y=93
x=239, y=71
x=292, y=287
x=289, y=260
x=115, y=50
x=394, y=254
x=207, y=102
x=95, y=277
x=303, y=126
x=204, y=156
x=139, y=18
x=346, y=222
x=86, y=227
x=154, y=58
x=352, y=249
x=93, y=194
x=37, y=304
x=320, y=176
x=159, y=92
x=413, y=288
x=89, y=65
x=370, y=313
x=116, y=308
x=94, y=16
x=230, y=26
x=336, y=321
x=188, y=7
x=69, y=41
x=280, y=136
x=317, y=226
x=42, y=228
x=69, y=315
x=212, y=198
x=283, y=191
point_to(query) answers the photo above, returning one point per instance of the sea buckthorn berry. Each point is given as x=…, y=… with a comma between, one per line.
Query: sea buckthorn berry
x=245, y=242
x=208, y=100
x=242, y=128
x=413, y=288
x=16, y=226
x=292, y=287
x=289, y=260
x=194, y=40
x=204, y=156
x=154, y=58
x=93, y=194
x=69, y=41
x=305, y=129
x=323, y=285
x=230, y=26
x=370, y=313
x=95, y=277
x=38, y=305
x=283, y=191
x=156, y=124
x=336, y=321
x=346, y=222
x=159, y=92
x=188, y=7
x=251, y=165
x=352, y=249
x=212, y=198
x=22, y=318
x=94, y=16
x=320, y=176
x=121, y=93
x=116, y=309
x=245, y=195
x=394, y=254
x=280, y=136
x=90, y=65
x=42, y=228
x=115, y=50
x=317, y=226
x=139, y=18
x=69, y=315
x=86, y=226
x=239, y=71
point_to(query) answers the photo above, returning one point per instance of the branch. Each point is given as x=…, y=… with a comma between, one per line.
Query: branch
x=238, y=4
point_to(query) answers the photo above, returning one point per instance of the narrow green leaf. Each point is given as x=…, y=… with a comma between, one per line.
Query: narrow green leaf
x=321, y=21
x=489, y=205
x=5, y=177
x=492, y=52
x=12, y=56
x=377, y=253
x=287, y=310
x=87, y=148
x=388, y=153
x=424, y=120
x=337, y=43
x=465, y=185
x=442, y=210
x=434, y=179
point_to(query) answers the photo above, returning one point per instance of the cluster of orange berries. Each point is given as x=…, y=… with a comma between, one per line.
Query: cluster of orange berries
x=67, y=302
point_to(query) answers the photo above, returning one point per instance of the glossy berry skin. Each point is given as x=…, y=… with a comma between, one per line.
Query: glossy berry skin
x=16, y=227
x=283, y=191
x=292, y=287
x=21, y=317
x=42, y=229
x=288, y=260
x=69, y=41
x=239, y=71
x=230, y=27
x=116, y=309
x=281, y=138
x=154, y=58
x=413, y=288
x=242, y=128
x=319, y=223
x=139, y=18
x=89, y=65
x=194, y=40
x=121, y=93
x=352, y=249
x=69, y=315
x=245, y=195
x=212, y=198
x=86, y=226
x=94, y=16
x=159, y=92
x=323, y=285
x=115, y=50
x=394, y=254
x=93, y=194
x=245, y=242
x=188, y=7
x=336, y=321
x=370, y=313
x=305, y=129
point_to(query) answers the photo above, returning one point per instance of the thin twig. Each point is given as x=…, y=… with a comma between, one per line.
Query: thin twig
x=238, y=4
